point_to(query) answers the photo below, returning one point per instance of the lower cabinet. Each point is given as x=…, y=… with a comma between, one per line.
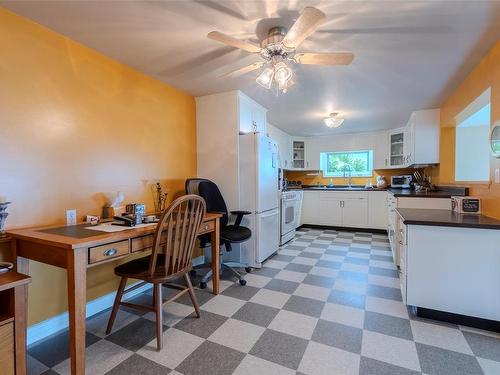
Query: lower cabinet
x=310, y=207
x=345, y=208
x=330, y=209
x=355, y=211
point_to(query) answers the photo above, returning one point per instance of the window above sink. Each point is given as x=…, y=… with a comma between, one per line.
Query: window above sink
x=347, y=163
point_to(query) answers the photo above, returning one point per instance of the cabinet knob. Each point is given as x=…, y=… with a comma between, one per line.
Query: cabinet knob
x=207, y=226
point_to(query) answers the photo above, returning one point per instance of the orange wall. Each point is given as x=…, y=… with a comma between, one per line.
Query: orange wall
x=484, y=75
x=73, y=125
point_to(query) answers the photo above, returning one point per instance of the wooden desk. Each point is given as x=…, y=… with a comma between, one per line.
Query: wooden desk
x=80, y=249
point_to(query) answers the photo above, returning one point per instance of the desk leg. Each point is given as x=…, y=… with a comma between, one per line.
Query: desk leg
x=215, y=244
x=20, y=328
x=20, y=309
x=76, y=269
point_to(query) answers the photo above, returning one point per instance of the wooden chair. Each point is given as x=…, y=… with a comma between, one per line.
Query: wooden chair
x=170, y=259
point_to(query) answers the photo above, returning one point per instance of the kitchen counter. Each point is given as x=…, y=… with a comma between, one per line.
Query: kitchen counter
x=442, y=192
x=446, y=218
x=339, y=188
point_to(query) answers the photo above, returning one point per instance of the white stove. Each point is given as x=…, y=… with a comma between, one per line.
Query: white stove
x=291, y=202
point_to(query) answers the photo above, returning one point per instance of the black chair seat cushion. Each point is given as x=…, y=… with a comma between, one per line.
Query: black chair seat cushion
x=233, y=233
x=139, y=268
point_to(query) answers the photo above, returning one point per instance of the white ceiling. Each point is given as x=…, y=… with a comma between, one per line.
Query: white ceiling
x=409, y=54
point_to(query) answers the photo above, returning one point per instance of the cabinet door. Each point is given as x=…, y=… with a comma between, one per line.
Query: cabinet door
x=380, y=151
x=310, y=208
x=311, y=155
x=377, y=209
x=410, y=140
x=396, y=148
x=330, y=209
x=355, y=212
x=298, y=154
x=407, y=146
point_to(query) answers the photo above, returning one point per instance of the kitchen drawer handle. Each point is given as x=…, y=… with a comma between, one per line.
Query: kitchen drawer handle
x=110, y=252
x=207, y=227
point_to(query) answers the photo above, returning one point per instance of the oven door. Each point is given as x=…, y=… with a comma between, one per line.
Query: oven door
x=288, y=215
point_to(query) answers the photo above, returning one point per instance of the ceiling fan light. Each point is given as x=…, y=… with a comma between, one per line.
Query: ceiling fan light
x=282, y=73
x=333, y=121
x=265, y=79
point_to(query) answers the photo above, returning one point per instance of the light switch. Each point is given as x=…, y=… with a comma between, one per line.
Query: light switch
x=497, y=176
x=71, y=217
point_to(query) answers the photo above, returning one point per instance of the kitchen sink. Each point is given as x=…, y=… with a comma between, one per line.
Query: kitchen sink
x=337, y=187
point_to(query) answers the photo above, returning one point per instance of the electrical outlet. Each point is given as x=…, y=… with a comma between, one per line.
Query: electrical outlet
x=497, y=176
x=71, y=217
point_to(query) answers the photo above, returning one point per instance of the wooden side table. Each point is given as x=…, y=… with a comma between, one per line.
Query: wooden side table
x=13, y=294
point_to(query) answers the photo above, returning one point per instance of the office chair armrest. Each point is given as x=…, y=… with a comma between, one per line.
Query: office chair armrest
x=239, y=216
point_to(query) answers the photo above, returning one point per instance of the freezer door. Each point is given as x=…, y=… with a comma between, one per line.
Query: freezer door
x=267, y=174
x=267, y=234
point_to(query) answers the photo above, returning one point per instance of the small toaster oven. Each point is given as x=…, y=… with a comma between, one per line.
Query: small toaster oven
x=466, y=205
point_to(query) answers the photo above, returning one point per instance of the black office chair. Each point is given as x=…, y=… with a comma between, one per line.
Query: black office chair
x=228, y=233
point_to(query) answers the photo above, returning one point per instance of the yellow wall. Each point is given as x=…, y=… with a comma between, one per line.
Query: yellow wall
x=484, y=75
x=73, y=125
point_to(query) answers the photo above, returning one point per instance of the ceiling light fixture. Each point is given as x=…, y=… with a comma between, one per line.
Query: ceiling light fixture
x=279, y=74
x=333, y=121
x=265, y=79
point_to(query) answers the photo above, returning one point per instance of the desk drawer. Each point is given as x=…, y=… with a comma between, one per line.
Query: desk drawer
x=207, y=226
x=108, y=251
x=142, y=243
x=146, y=242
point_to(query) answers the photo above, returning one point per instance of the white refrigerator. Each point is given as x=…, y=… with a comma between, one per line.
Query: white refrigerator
x=259, y=193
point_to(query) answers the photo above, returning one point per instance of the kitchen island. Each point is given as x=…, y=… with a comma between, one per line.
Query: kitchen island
x=450, y=266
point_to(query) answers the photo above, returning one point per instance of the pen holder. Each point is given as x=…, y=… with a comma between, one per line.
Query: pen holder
x=3, y=217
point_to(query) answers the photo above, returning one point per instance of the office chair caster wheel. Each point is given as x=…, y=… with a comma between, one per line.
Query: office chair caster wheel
x=248, y=269
x=192, y=273
x=203, y=285
x=243, y=282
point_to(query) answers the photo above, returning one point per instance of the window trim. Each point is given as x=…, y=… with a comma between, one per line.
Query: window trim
x=323, y=164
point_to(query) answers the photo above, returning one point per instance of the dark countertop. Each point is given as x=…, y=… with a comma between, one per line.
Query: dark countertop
x=420, y=194
x=338, y=188
x=441, y=192
x=446, y=218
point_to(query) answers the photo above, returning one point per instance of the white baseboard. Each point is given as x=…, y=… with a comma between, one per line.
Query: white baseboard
x=39, y=331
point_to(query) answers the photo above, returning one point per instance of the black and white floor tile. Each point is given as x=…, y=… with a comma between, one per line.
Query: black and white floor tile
x=329, y=303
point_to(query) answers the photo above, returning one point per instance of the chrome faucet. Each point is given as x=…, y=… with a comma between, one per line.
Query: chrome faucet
x=348, y=169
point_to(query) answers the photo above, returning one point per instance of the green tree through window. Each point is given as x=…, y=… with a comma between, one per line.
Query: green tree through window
x=358, y=163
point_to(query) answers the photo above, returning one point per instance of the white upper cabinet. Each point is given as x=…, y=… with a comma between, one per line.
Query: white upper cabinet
x=284, y=142
x=299, y=154
x=380, y=151
x=423, y=130
x=312, y=155
x=397, y=157
x=253, y=117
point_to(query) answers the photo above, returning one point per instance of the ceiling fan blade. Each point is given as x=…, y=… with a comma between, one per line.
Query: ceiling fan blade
x=244, y=70
x=334, y=58
x=305, y=25
x=229, y=40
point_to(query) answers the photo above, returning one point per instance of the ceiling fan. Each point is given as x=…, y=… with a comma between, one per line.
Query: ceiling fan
x=278, y=51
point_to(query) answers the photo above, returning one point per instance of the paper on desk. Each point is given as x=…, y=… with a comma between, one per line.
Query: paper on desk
x=110, y=228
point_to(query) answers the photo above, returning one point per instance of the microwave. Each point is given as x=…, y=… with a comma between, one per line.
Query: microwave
x=401, y=182
x=466, y=205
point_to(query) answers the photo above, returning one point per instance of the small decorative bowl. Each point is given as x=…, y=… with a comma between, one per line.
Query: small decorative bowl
x=6, y=267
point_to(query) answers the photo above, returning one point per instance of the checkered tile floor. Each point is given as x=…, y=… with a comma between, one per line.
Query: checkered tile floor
x=328, y=303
